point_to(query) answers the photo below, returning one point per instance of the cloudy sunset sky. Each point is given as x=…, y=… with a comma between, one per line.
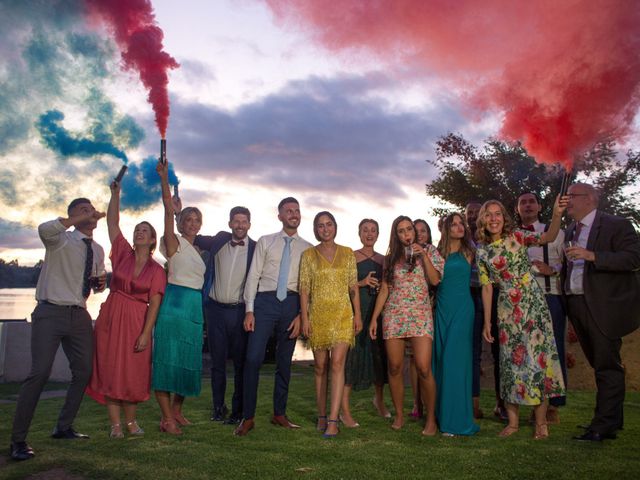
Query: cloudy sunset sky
x=260, y=109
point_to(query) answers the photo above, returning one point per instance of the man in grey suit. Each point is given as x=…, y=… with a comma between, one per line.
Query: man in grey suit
x=601, y=281
x=73, y=264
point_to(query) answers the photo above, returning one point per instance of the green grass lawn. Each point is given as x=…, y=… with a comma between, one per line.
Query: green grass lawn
x=209, y=450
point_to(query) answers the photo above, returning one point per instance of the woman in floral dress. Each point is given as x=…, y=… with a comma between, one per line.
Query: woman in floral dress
x=529, y=363
x=406, y=314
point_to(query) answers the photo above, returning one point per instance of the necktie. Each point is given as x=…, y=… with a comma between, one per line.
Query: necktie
x=88, y=269
x=235, y=244
x=528, y=227
x=283, y=274
x=574, y=238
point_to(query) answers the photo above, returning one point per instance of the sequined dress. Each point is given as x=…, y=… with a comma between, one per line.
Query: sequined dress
x=330, y=310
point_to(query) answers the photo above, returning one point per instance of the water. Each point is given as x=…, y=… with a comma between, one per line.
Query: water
x=18, y=303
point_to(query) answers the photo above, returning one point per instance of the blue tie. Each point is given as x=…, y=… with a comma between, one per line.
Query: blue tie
x=283, y=274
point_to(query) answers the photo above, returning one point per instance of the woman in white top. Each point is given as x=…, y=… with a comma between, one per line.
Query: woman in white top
x=177, y=354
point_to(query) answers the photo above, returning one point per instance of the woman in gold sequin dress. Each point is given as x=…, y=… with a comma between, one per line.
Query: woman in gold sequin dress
x=330, y=311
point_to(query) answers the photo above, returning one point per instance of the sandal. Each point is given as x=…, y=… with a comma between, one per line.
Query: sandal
x=429, y=433
x=321, y=423
x=134, y=428
x=170, y=427
x=395, y=426
x=331, y=435
x=541, y=431
x=352, y=425
x=508, y=431
x=180, y=420
x=116, y=431
x=382, y=411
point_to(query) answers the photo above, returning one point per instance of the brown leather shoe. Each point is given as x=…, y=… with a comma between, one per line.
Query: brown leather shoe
x=283, y=421
x=245, y=426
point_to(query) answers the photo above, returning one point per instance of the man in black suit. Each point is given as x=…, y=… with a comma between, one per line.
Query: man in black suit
x=230, y=255
x=601, y=282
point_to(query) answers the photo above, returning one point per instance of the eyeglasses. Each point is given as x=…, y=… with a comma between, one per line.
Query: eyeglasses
x=573, y=195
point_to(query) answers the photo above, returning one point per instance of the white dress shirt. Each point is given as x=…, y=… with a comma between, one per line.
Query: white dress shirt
x=265, y=266
x=62, y=275
x=231, y=267
x=186, y=267
x=577, y=272
x=556, y=254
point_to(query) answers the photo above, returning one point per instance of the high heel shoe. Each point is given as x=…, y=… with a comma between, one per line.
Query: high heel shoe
x=351, y=425
x=134, y=428
x=331, y=435
x=170, y=427
x=116, y=431
x=382, y=410
x=180, y=420
x=321, y=424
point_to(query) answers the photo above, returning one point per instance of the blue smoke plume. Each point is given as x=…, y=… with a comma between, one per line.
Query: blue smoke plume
x=141, y=185
x=58, y=139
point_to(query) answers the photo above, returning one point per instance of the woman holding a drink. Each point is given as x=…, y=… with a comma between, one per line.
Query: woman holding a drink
x=406, y=312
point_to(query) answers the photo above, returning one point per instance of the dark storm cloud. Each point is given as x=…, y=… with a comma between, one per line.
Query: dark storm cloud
x=335, y=135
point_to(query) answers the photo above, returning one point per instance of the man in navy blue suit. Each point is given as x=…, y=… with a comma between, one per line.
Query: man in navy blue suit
x=230, y=255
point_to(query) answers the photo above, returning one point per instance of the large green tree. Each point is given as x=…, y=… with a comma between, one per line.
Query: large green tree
x=501, y=170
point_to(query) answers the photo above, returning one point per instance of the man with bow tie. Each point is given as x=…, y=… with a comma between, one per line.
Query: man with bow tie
x=230, y=255
x=601, y=281
x=547, y=265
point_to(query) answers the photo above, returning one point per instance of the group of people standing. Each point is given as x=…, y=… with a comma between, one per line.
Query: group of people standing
x=359, y=311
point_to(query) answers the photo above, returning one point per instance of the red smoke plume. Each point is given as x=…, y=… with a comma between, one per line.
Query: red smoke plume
x=140, y=39
x=565, y=74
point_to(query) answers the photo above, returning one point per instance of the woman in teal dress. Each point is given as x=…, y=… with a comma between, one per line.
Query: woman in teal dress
x=452, y=344
x=367, y=360
x=529, y=363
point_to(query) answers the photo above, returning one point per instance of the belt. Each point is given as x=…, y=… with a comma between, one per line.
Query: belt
x=226, y=305
x=47, y=302
x=274, y=293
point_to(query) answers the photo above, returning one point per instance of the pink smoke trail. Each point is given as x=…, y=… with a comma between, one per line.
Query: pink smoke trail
x=140, y=40
x=565, y=74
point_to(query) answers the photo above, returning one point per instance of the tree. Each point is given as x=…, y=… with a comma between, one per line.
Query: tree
x=504, y=170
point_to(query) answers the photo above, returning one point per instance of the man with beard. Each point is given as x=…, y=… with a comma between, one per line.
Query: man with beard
x=72, y=260
x=230, y=255
x=273, y=307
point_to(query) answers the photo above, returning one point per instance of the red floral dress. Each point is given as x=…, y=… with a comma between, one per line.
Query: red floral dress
x=529, y=361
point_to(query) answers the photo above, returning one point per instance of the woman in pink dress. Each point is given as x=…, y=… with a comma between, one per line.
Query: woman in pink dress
x=122, y=355
x=404, y=304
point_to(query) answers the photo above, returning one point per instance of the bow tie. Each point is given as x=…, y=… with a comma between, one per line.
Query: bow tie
x=235, y=244
x=529, y=227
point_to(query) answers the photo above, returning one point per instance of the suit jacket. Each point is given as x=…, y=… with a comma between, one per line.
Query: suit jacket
x=612, y=281
x=213, y=244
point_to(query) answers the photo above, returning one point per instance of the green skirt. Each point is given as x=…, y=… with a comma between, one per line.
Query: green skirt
x=177, y=342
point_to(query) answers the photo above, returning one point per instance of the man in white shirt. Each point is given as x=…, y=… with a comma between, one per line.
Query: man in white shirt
x=73, y=264
x=230, y=255
x=601, y=281
x=273, y=306
x=547, y=265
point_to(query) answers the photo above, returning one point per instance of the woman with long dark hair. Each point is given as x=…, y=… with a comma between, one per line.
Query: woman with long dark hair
x=404, y=304
x=452, y=347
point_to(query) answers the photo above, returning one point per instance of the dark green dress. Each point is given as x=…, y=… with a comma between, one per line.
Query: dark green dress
x=367, y=361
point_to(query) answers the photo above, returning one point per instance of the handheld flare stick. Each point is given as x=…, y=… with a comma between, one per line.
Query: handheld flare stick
x=566, y=181
x=121, y=173
x=163, y=151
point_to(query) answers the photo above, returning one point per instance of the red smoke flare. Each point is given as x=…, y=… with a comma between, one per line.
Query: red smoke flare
x=140, y=39
x=565, y=74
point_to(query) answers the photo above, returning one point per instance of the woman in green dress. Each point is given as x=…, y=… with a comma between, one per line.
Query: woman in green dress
x=452, y=343
x=529, y=364
x=367, y=360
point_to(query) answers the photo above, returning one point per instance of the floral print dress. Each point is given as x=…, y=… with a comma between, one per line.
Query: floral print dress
x=407, y=312
x=529, y=362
